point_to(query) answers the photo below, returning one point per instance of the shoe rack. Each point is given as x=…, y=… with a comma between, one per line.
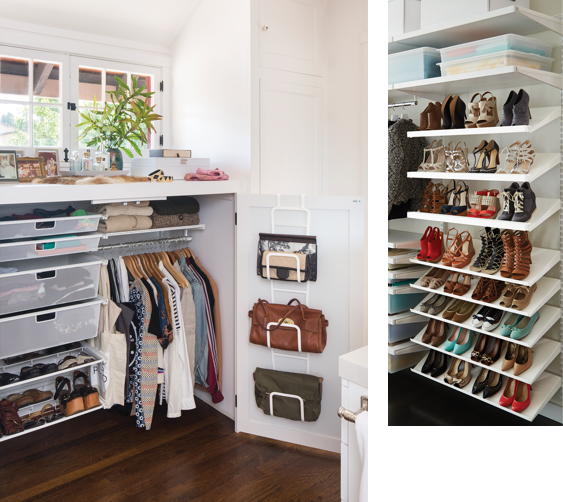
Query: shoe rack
x=546, y=176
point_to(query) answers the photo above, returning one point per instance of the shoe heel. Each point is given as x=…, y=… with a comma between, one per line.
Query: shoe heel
x=91, y=401
x=74, y=406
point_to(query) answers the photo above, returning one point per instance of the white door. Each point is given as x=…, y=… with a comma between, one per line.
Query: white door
x=292, y=35
x=291, y=138
x=337, y=222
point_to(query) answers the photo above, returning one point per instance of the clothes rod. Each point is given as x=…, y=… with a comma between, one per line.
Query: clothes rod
x=405, y=103
x=153, y=243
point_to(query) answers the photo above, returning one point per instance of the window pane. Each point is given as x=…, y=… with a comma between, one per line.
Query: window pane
x=89, y=85
x=147, y=81
x=46, y=82
x=89, y=137
x=46, y=125
x=111, y=83
x=14, y=125
x=14, y=79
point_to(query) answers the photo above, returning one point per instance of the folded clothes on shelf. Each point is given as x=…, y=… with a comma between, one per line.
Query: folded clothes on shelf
x=118, y=210
x=175, y=205
x=124, y=223
x=174, y=220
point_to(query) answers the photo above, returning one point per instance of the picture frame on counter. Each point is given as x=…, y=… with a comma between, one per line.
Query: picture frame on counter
x=50, y=161
x=30, y=168
x=9, y=166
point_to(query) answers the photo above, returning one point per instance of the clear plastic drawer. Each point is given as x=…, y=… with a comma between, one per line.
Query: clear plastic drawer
x=416, y=64
x=23, y=250
x=41, y=329
x=51, y=281
x=22, y=229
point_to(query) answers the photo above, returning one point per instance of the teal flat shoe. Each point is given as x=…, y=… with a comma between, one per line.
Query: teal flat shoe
x=509, y=323
x=524, y=327
x=463, y=343
x=452, y=340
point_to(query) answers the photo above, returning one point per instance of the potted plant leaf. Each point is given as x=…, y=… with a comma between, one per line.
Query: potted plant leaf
x=123, y=123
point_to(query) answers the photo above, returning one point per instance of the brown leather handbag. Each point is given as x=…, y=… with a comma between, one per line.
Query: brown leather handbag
x=288, y=327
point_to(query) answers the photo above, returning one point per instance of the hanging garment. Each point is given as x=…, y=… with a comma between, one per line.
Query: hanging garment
x=404, y=155
x=166, y=333
x=149, y=377
x=121, y=270
x=127, y=323
x=134, y=393
x=114, y=291
x=177, y=374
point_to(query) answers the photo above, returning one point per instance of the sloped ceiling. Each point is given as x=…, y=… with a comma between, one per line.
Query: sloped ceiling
x=149, y=21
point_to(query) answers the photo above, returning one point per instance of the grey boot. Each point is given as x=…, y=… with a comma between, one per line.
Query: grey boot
x=521, y=110
x=508, y=203
x=524, y=203
x=507, y=110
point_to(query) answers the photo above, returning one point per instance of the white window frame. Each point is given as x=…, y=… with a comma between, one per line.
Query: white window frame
x=42, y=56
x=105, y=65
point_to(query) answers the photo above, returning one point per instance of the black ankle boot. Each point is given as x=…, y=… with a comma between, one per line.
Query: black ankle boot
x=507, y=109
x=524, y=203
x=508, y=205
x=521, y=110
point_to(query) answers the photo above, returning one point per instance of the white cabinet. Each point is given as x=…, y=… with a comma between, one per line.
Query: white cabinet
x=291, y=138
x=292, y=35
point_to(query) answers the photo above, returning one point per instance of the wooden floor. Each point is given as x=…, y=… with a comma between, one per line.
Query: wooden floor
x=102, y=456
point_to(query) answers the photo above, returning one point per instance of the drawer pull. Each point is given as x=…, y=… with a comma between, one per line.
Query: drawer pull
x=45, y=225
x=46, y=275
x=45, y=317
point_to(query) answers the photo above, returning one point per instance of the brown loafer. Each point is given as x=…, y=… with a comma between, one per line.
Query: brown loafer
x=452, y=309
x=464, y=312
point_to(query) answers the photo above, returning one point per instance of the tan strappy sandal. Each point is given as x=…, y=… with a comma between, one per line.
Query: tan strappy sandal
x=526, y=156
x=456, y=158
x=473, y=112
x=466, y=251
x=522, y=255
x=439, y=280
x=488, y=114
x=428, y=152
x=523, y=296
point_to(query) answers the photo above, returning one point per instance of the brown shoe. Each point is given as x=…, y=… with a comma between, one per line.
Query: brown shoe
x=523, y=360
x=464, y=312
x=435, y=116
x=424, y=118
x=507, y=264
x=452, y=309
x=510, y=357
x=522, y=256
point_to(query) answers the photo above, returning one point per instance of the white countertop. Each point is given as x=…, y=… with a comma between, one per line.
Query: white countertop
x=354, y=366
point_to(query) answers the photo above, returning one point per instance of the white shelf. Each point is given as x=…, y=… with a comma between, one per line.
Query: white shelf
x=545, y=209
x=397, y=239
x=406, y=347
x=497, y=22
x=406, y=273
x=540, y=118
x=547, y=287
x=548, y=317
x=153, y=230
x=543, y=163
x=543, y=353
x=401, y=259
x=543, y=260
x=41, y=427
x=544, y=388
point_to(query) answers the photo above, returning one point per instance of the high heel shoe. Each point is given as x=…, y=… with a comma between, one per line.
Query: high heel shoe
x=507, y=397
x=450, y=197
x=522, y=397
x=493, y=352
x=424, y=118
x=463, y=204
x=439, y=280
x=89, y=394
x=479, y=349
x=453, y=371
x=509, y=357
x=70, y=402
x=525, y=158
x=493, y=384
x=456, y=158
x=427, y=279
x=434, y=327
x=523, y=360
x=430, y=359
x=488, y=114
x=480, y=381
x=435, y=246
x=479, y=162
x=521, y=114
x=492, y=150
x=464, y=376
x=486, y=252
x=473, y=112
x=491, y=205
x=451, y=284
x=451, y=247
x=446, y=116
x=463, y=343
x=428, y=156
x=457, y=113
x=476, y=199
x=424, y=244
x=461, y=289
x=495, y=262
x=440, y=365
x=453, y=338
x=466, y=251
x=508, y=109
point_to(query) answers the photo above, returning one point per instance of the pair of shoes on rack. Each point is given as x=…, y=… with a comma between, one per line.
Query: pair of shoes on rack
x=431, y=117
x=488, y=290
x=492, y=253
x=459, y=311
x=453, y=112
x=10, y=421
x=484, y=204
x=435, y=278
x=482, y=113
x=83, y=397
x=434, y=158
x=47, y=414
x=431, y=245
x=517, y=326
x=516, y=395
x=37, y=370
x=489, y=382
x=519, y=203
x=459, y=341
x=457, y=287
x=519, y=158
x=435, y=333
x=488, y=318
x=459, y=374
x=436, y=363
x=487, y=350
x=72, y=361
x=518, y=358
x=517, y=254
x=516, y=110
x=433, y=198
x=459, y=249
x=485, y=158
x=434, y=305
x=457, y=203
x=456, y=158
x=30, y=396
x=517, y=297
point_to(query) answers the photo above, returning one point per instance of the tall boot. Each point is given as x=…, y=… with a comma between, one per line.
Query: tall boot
x=494, y=264
x=507, y=265
x=486, y=235
x=522, y=255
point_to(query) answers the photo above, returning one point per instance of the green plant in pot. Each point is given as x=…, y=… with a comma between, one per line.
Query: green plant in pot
x=125, y=121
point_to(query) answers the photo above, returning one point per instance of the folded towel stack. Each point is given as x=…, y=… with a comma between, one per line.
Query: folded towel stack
x=124, y=223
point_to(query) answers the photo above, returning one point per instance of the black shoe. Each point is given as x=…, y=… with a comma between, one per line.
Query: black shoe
x=524, y=203
x=479, y=317
x=508, y=206
x=446, y=115
x=491, y=320
x=507, y=110
x=427, y=366
x=521, y=111
x=493, y=385
x=8, y=378
x=458, y=113
x=480, y=381
x=28, y=372
x=440, y=365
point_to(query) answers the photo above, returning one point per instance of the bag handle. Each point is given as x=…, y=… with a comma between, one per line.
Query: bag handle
x=300, y=306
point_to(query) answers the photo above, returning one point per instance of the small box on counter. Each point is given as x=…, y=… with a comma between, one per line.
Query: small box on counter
x=182, y=154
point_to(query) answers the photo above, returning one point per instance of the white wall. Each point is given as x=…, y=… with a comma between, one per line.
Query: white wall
x=210, y=95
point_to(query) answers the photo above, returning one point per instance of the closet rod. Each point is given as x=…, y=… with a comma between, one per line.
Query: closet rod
x=405, y=103
x=156, y=242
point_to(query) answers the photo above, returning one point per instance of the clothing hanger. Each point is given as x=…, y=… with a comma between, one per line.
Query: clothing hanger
x=404, y=115
x=394, y=117
x=180, y=279
x=129, y=266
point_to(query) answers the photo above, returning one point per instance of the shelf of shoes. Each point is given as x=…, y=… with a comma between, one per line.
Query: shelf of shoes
x=436, y=89
x=545, y=209
x=543, y=390
x=397, y=239
x=546, y=288
x=543, y=163
x=511, y=19
x=540, y=118
x=548, y=316
x=543, y=353
x=543, y=260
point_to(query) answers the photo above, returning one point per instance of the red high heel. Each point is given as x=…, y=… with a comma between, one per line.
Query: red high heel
x=435, y=246
x=521, y=397
x=509, y=392
x=490, y=204
x=424, y=244
x=476, y=204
